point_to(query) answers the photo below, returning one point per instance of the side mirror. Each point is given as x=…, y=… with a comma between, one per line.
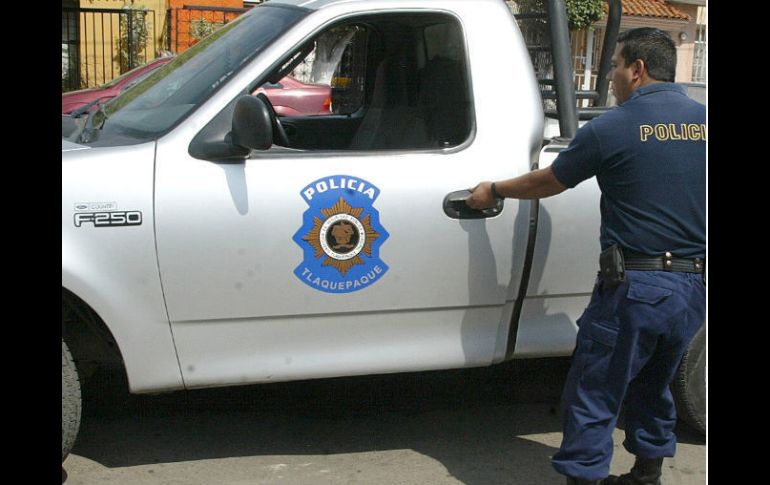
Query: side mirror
x=241, y=127
x=252, y=127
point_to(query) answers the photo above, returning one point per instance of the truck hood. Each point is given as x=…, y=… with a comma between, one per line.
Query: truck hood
x=75, y=99
x=70, y=125
x=68, y=146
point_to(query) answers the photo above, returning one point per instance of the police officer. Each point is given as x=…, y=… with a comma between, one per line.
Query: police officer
x=649, y=158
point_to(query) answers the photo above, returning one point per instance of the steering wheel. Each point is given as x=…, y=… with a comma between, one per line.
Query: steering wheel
x=279, y=134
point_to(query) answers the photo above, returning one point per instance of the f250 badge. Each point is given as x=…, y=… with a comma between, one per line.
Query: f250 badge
x=341, y=235
x=109, y=219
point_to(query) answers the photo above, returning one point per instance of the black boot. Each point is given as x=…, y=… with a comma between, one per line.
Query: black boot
x=646, y=471
x=580, y=481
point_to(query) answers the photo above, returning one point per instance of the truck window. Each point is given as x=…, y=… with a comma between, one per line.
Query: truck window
x=333, y=68
x=394, y=82
x=166, y=97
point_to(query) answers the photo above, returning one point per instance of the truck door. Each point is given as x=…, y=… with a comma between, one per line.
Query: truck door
x=334, y=255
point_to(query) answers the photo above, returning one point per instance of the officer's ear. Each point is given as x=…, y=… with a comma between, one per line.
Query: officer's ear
x=638, y=70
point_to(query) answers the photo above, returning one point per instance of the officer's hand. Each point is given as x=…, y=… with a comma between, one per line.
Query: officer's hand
x=481, y=197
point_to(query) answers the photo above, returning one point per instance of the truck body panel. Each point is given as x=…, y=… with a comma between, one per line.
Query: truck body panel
x=240, y=315
x=219, y=244
x=225, y=290
x=112, y=267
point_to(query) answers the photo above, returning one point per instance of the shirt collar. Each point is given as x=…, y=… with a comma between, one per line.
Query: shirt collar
x=656, y=87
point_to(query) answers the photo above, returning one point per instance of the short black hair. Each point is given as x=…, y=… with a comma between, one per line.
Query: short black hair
x=654, y=47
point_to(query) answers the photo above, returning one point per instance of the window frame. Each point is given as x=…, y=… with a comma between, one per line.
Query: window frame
x=361, y=17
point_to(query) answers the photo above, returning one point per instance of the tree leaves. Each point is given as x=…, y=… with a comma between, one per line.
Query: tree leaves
x=582, y=13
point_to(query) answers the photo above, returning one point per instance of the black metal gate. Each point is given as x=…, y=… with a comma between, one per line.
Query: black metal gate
x=99, y=44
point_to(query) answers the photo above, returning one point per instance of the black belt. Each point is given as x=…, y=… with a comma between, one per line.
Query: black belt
x=642, y=262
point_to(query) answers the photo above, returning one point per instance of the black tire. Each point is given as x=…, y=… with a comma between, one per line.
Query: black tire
x=689, y=386
x=70, y=401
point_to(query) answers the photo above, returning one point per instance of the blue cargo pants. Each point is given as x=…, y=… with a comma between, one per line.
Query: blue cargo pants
x=630, y=342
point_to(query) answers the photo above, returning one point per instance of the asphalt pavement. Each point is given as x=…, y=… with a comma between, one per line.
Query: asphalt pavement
x=485, y=426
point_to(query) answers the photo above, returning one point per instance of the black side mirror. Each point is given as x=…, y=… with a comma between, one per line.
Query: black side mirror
x=241, y=127
x=252, y=127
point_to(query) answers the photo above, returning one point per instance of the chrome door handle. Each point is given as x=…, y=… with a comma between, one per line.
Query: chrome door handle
x=455, y=207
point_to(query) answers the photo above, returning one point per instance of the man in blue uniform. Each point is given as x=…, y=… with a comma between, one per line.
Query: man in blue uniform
x=649, y=158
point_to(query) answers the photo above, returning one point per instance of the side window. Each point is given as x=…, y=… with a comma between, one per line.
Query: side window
x=445, y=90
x=384, y=82
x=349, y=76
x=328, y=80
x=443, y=41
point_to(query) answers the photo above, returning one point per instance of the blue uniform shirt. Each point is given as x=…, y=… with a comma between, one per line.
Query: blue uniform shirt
x=649, y=158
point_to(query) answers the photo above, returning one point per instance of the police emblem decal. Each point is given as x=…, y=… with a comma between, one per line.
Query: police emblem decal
x=340, y=235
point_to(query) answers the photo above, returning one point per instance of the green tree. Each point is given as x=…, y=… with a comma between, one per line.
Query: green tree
x=580, y=13
x=201, y=28
x=133, y=38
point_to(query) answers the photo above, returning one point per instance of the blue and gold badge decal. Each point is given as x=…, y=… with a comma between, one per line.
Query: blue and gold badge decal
x=341, y=235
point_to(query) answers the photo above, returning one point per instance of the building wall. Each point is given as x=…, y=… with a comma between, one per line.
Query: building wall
x=685, y=48
x=700, y=62
x=182, y=21
x=100, y=38
x=206, y=3
x=674, y=28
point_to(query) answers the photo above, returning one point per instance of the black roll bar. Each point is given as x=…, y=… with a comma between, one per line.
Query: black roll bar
x=610, y=39
x=566, y=104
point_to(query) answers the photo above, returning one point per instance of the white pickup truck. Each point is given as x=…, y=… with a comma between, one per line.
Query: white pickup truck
x=208, y=242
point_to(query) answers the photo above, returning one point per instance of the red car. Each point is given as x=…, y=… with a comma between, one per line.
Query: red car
x=294, y=98
x=289, y=96
x=75, y=99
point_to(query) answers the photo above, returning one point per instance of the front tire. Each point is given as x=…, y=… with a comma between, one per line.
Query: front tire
x=70, y=401
x=689, y=386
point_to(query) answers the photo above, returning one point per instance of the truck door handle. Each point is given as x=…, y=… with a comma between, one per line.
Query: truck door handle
x=456, y=208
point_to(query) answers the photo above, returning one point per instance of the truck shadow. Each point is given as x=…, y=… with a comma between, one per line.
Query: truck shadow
x=475, y=422
x=484, y=425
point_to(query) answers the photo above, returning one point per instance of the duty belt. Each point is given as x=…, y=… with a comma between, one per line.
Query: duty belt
x=642, y=262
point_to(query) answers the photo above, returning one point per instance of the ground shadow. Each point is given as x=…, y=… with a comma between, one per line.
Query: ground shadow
x=476, y=422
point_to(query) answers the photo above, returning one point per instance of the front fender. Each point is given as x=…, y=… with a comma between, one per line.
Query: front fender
x=109, y=260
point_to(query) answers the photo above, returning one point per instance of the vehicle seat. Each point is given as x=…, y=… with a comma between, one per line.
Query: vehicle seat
x=444, y=101
x=390, y=121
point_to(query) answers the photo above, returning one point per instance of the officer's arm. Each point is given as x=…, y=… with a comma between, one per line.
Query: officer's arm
x=538, y=184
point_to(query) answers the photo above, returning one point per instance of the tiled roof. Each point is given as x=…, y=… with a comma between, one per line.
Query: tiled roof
x=651, y=8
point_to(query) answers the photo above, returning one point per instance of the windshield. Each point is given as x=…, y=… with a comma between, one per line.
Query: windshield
x=162, y=100
x=132, y=72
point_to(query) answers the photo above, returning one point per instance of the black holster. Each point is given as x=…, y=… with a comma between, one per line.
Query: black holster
x=611, y=266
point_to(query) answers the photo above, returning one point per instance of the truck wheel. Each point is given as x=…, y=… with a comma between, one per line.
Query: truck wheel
x=70, y=401
x=689, y=386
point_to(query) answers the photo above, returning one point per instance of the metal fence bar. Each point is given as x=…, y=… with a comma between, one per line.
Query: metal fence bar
x=699, y=57
x=90, y=50
x=112, y=36
x=216, y=9
x=173, y=34
x=84, y=59
x=129, y=44
x=71, y=79
x=104, y=64
x=91, y=62
x=149, y=36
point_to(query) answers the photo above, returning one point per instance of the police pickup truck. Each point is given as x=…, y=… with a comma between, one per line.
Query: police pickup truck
x=208, y=242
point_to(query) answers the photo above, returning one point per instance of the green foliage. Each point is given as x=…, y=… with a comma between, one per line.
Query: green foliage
x=201, y=28
x=582, y=13
x=133, y=38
